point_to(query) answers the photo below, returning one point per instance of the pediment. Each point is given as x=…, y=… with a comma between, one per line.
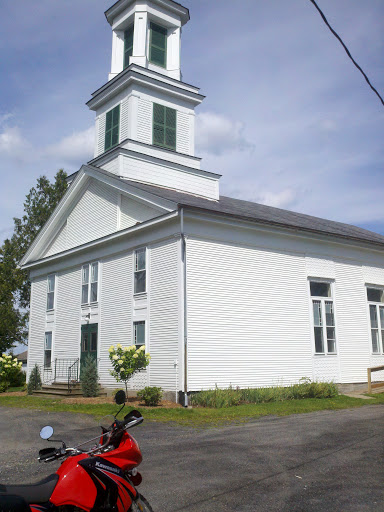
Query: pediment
x=95, y=205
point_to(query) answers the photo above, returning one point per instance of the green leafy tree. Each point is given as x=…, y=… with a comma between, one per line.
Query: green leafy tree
x=126, y=361
x=14, y=283
x=89, y=377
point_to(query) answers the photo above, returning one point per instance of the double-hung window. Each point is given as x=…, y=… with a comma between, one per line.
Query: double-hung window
x=51, y=281
x=48, y=350
x=112, y=124
x=128, y=45
x=89, y=283
x=164, y=126
x=140, y=271
x=139, y=333
x=323, y=317
x=375, y=297
x=158, y=45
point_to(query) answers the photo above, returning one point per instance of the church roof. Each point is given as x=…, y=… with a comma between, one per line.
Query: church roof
x=264, y=214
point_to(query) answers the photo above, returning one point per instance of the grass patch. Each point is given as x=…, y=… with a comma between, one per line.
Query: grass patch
x=15, y=389
x=229, y=397
x=197, y=417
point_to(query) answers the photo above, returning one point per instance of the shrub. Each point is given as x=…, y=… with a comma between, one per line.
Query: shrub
x=34, y=381
x=150, y=395
x=18, y=379
x=10, y=367
x=218, y=398
x=126, y=361
x=89, y=377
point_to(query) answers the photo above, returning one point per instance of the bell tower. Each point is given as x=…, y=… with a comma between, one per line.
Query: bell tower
x=147, y=34
x=145, y=113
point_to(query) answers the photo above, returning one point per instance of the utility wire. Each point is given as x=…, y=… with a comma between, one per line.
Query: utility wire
x=347, y=51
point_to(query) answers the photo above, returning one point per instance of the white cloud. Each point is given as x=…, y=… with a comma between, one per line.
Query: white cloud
x=11, y=141
x=77, y=147
x=5, y=117
x=217, y=134
x=283, y=199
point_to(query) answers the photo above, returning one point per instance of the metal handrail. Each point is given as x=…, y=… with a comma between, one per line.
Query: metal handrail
x=73, y=368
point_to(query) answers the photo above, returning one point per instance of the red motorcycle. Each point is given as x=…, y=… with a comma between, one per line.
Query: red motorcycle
x=102, y=479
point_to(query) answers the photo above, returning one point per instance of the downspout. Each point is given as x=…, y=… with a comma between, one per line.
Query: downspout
x=184, y=263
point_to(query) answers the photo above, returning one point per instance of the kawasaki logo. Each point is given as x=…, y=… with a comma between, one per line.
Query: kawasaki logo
x=108, y=468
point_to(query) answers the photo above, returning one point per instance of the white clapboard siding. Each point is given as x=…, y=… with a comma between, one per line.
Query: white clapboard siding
x=320, y=267
x=132, y=212
x=373, y=275
x=248, y=322
x=59, y=242
x=37, y=323
x=67, y=338
x=166, y=176
x=164, y=315
x=112, y=166
x=124, y=120
x=116, y=316
x=144, y=121
x=94, y=216
x=183, y=136
x=351, y=322
x=101, y=134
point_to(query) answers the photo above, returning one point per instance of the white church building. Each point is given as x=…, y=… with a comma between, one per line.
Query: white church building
x=143, y=249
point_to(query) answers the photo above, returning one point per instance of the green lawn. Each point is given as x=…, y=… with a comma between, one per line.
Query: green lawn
x=203, y=417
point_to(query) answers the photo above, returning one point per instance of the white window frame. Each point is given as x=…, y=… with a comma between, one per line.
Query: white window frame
x=145, y=269
x=89, y=282
x=136, y=322
x=380, y=322
x=53, y=292
x=323, y=301
x=46, y=367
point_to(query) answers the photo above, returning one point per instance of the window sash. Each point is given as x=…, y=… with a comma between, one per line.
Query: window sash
x=112, y=124
x=140, y=272
x=139, y=333
x=89, y=280
x=48, y=350
x=376, y=316
x=51, y=292
x=324, y=326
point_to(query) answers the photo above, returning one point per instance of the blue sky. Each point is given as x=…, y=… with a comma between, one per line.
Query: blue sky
x=288, y=120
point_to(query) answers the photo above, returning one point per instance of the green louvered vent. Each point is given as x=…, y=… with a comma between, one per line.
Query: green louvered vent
x=112, y=128
x=158, y=45
x=164, y=126
x=128, y=45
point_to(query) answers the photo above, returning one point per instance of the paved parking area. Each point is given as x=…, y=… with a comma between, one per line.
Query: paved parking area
x=323, y=461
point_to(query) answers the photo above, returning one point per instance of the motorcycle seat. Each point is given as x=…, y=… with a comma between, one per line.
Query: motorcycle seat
x=39, y=492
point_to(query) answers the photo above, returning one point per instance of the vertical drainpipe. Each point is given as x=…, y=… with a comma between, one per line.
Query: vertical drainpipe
x=184, y=263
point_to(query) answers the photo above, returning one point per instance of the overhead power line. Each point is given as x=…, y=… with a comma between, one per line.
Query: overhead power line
x=347, y=51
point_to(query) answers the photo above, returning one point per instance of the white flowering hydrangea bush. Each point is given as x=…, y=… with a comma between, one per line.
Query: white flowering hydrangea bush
x=9, y=368
x=126, y=361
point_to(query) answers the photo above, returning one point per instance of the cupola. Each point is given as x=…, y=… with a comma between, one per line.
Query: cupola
x=147, y=34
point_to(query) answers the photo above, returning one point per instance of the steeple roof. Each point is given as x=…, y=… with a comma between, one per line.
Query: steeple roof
x=170, y=5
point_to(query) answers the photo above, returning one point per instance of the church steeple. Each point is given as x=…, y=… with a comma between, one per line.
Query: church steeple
x=147, y=34
x=145, y=114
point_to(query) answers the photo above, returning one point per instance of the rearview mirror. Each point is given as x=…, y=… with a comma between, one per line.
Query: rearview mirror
x=120, y=397
x=46, y=432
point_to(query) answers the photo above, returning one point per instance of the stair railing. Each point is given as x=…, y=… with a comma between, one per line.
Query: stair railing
x=73, y=375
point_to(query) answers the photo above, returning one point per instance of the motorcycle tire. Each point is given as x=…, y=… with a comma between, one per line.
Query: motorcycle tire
x=141, y=505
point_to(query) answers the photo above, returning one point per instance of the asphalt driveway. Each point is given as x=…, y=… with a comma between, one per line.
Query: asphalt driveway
x=323, y=461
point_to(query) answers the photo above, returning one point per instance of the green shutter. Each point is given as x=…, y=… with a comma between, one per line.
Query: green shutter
x=112, y=128
x=158, y=45
x=128, y=45
x=164, y=126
